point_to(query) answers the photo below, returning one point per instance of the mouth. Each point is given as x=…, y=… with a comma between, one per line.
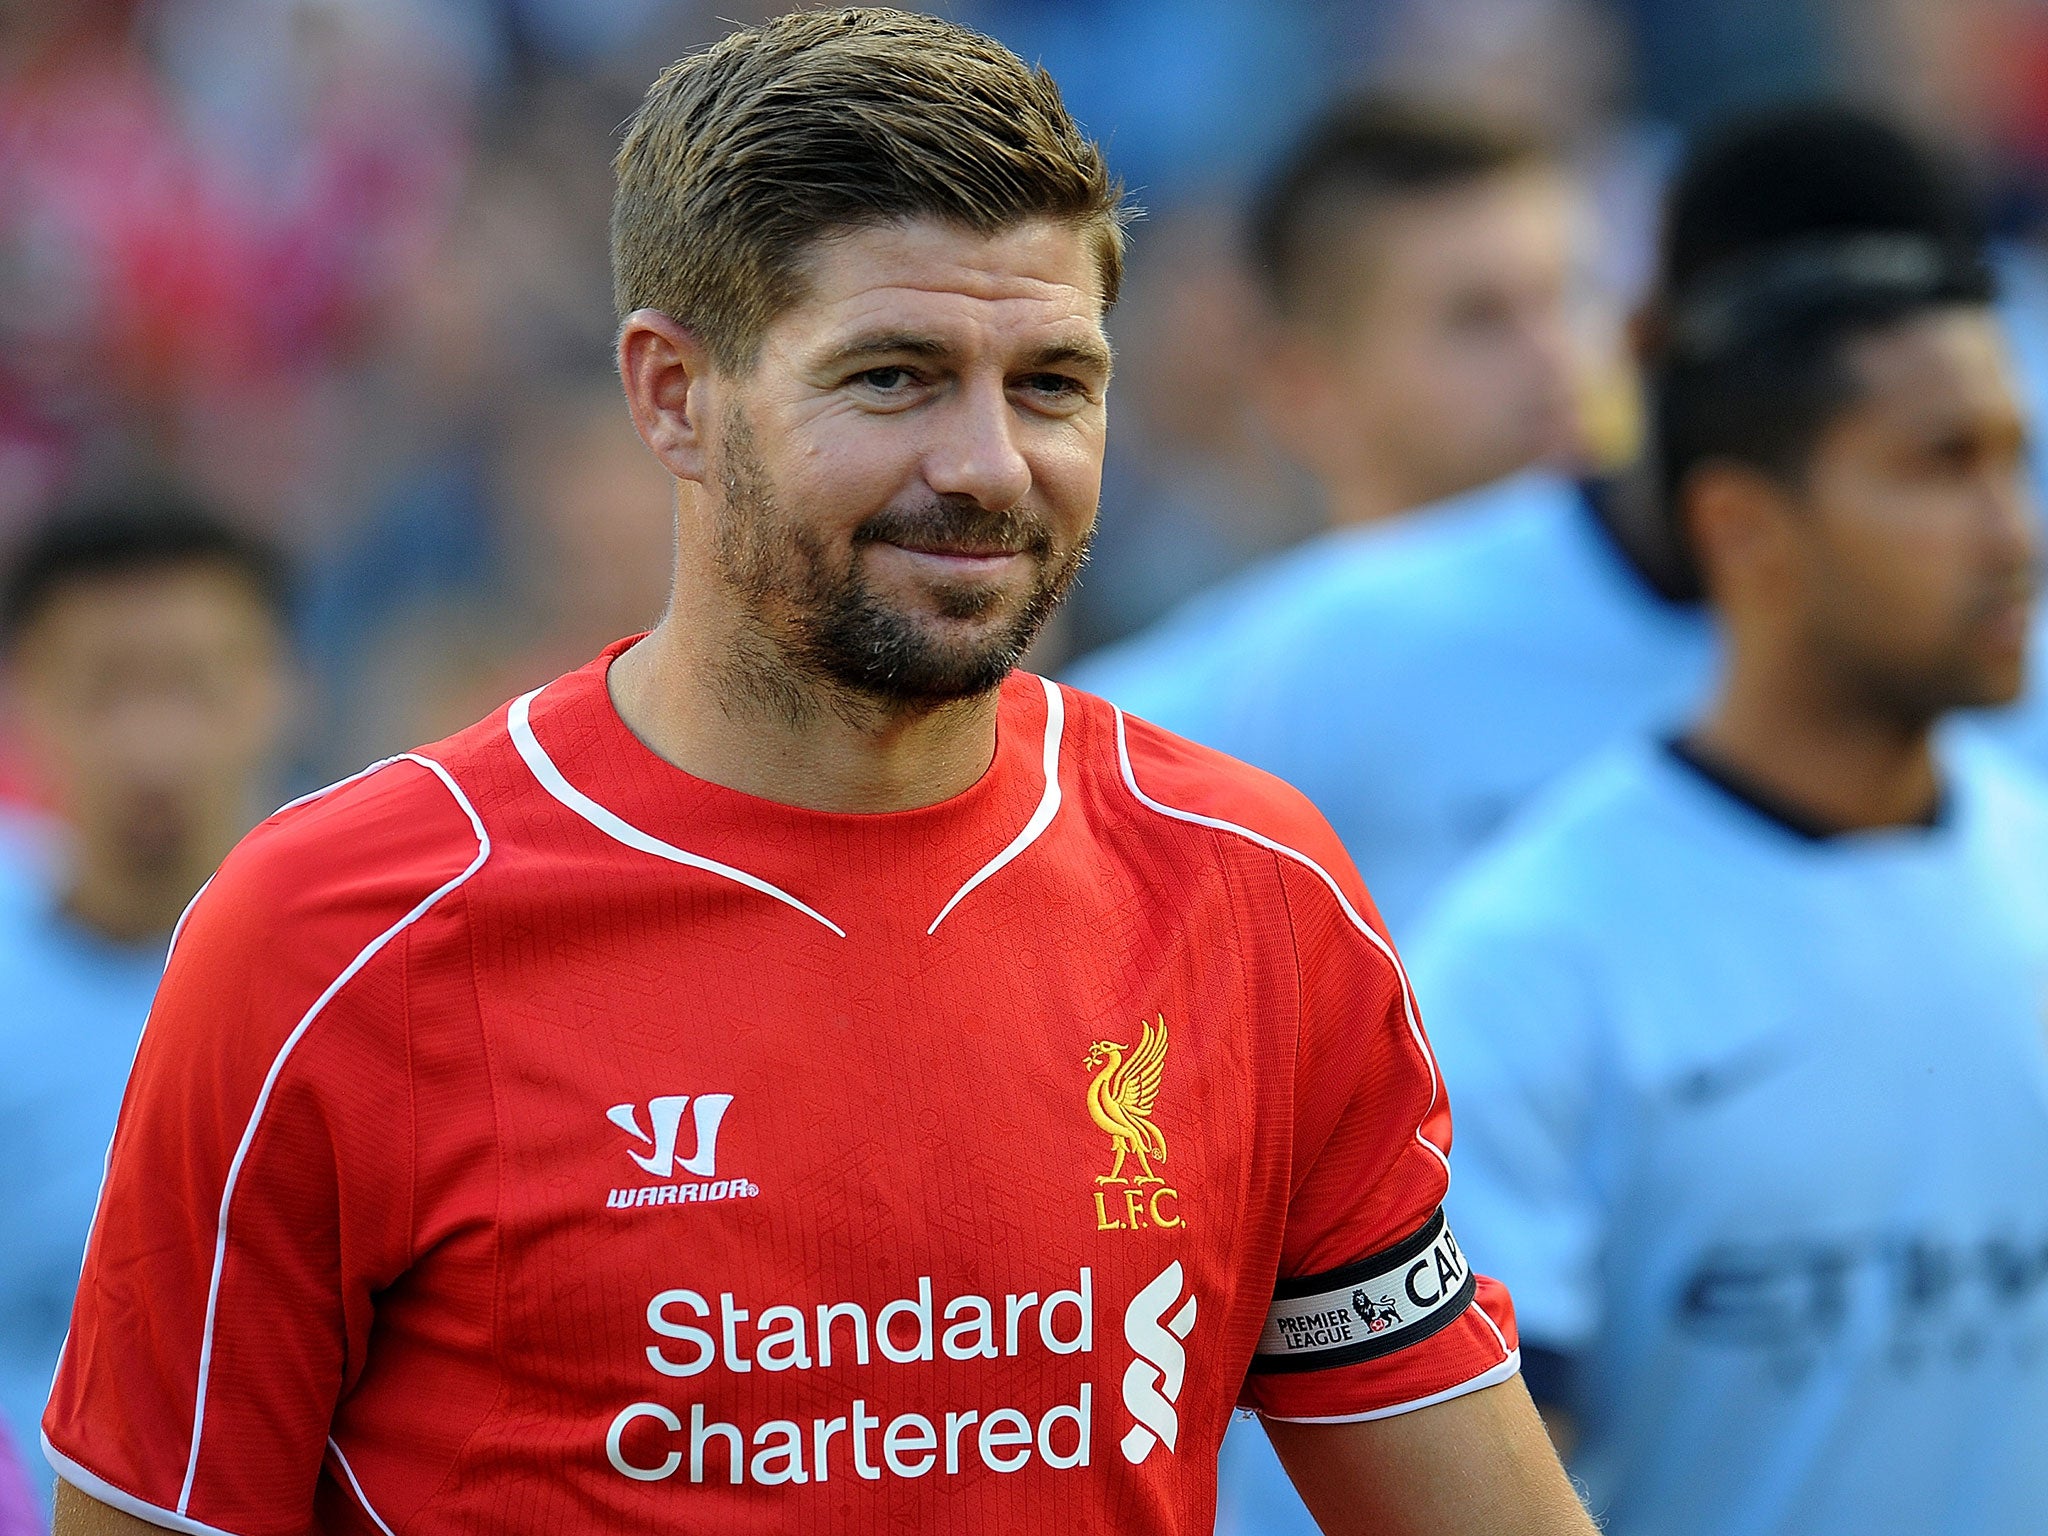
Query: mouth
x=954, y=561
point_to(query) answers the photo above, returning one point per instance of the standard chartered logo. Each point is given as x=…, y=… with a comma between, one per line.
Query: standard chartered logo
x=1152, y=1382
x=1016, y=1414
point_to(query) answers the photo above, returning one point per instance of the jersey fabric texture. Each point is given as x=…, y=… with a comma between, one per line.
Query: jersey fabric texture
x=532, y=1137
x=1756, y=1125
x=1419, y=679
x=72, y=1007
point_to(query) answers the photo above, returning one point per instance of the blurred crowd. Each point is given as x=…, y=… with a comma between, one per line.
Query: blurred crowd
x=318, y=291
x=338, y=268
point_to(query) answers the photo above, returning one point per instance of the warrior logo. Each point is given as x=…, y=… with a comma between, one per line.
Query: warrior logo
x=1152, y=1382
x=666, y=1116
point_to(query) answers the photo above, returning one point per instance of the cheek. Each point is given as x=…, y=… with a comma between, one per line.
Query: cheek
x=1066, y=474
x=1900, y=568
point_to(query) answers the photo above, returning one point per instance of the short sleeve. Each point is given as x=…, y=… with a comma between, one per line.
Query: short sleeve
x=259, y=1187
x=1512, y=1018
x=1376, y=1311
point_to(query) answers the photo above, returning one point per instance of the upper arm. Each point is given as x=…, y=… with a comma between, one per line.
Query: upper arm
x=259, y=1192
x=1395, y=1317
x=1478, y=1464
x=80, y=1514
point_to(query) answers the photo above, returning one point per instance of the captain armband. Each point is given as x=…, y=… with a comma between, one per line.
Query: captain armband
x=1380, y=1304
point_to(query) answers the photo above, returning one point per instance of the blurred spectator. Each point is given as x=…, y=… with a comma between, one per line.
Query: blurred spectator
x=146, y=670
x=588, y=534
x=206, y=212
x=1744, y=1028
x=1419, y=679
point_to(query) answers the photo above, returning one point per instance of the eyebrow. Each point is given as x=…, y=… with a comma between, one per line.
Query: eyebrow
x=1089, y=353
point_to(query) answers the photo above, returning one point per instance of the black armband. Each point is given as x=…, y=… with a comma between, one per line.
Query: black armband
x=1384, y=1302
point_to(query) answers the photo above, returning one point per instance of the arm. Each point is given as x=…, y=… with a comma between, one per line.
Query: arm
x=1478, y=1465
x=80, y=1514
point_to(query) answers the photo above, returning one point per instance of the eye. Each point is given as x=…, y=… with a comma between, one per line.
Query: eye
x=1055, y=388
x=889, y=380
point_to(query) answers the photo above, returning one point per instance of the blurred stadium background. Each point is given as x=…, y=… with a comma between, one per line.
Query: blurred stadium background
x=339, y=267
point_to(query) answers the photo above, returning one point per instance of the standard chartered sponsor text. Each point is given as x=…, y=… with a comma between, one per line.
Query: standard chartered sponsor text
x=698, y=1333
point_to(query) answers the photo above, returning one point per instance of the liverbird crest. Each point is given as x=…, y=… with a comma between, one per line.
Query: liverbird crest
x=1121, y=1093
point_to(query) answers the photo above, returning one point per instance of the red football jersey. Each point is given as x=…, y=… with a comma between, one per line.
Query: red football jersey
x=530, y=1137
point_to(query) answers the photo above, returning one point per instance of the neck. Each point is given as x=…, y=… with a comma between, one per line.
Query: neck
x=808, y=747
x=1628, y=508
x=1359, y=499
x=1843, y=765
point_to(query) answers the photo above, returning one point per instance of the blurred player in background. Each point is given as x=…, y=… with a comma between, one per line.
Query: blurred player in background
x=1746, y=1026
x=797, y=1073
x=146, y=672
x=1418, y=680
x=1428, y=683
x=1420, y=266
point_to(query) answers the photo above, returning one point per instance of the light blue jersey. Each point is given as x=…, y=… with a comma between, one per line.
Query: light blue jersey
x=1419, y=680
x=1755, y=1128
x=72, y=1008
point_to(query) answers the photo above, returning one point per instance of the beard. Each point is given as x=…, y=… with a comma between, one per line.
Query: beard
x=814, y=617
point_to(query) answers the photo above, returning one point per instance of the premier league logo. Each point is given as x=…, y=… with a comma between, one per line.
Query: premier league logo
x=1378, y=1316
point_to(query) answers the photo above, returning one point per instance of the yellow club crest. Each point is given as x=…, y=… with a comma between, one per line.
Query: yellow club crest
x=1122, y=1091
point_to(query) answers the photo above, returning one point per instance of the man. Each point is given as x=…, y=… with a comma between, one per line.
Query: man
x=1746, y=1025
x=1419, y=264
x=145, y=669
x=796, y=1073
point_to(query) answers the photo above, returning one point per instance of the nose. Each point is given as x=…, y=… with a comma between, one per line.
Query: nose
x=977, y=453
x=2016, y=520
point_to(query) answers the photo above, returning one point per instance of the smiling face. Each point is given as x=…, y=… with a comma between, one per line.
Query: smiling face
x=901, y=487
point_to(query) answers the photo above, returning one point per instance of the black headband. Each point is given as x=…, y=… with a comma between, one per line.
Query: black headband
x=1745, y=302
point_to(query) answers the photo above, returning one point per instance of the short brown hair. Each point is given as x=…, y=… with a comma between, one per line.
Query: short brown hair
x=1358, y=156
x=744, y=155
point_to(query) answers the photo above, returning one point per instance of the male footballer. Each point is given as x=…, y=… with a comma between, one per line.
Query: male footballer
x=799, y=1073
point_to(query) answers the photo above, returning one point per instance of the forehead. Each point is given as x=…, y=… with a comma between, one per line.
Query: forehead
x=1375, y=244
x=196, y=604
x=1937, y=366
x=1034, y=281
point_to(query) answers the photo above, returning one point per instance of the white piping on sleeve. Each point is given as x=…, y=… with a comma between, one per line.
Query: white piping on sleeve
x=1492, y=1327
x=341, y=783
x=1048, y=804
x=1350, y=912
x=177, y=933
x=618, y=828
x=1491, y=1377
x=220, y=1246
x=361, y=1497
x=95, y=1486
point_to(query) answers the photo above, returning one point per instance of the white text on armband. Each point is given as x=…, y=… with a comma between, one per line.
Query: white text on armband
x=1382, y=1303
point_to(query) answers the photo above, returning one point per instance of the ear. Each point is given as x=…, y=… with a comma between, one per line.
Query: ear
x=668, y=375
x=1739, y=522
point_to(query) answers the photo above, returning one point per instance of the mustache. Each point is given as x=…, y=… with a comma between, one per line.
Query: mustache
x=963, y=525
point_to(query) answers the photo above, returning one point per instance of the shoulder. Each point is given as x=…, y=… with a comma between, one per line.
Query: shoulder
x=349, y=860
x=1148, y=785
x=1374, y=595
x=1571, y=867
